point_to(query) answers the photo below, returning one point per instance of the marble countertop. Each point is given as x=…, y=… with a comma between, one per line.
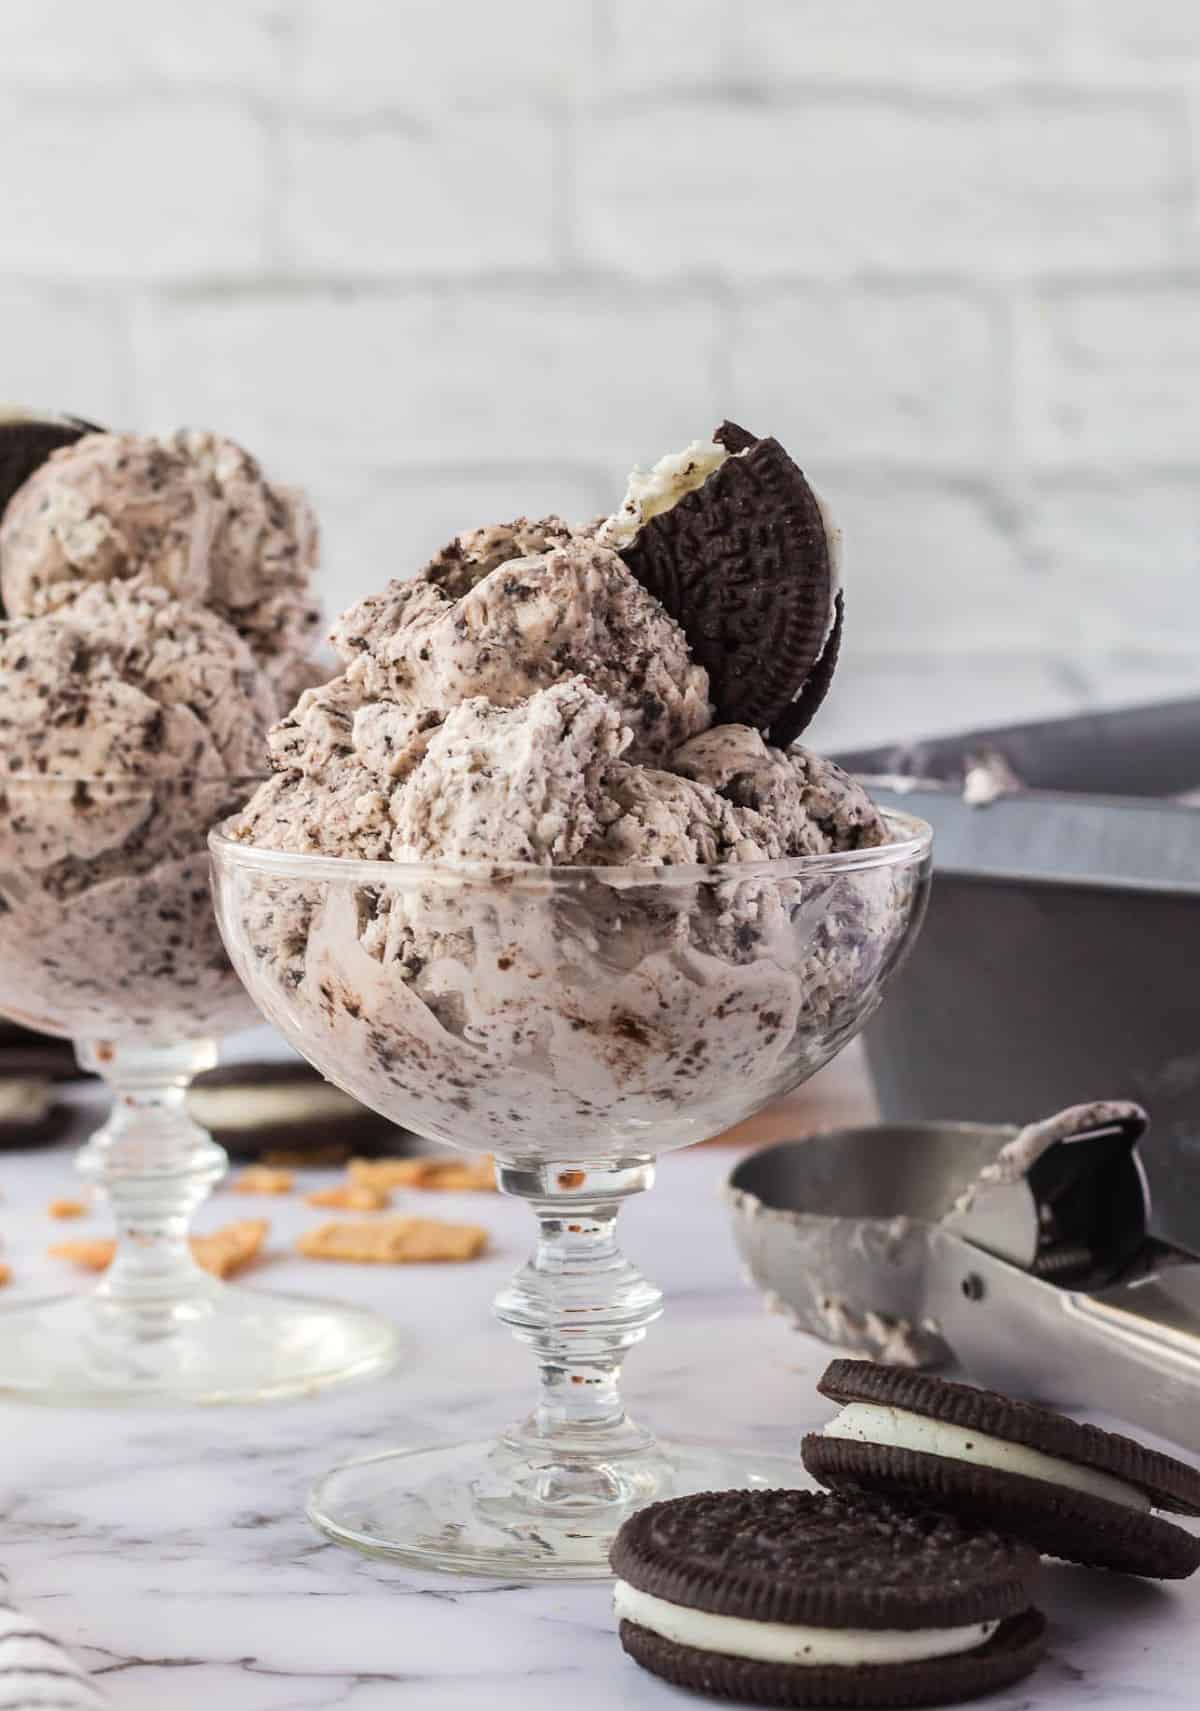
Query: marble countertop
x=170, y=1549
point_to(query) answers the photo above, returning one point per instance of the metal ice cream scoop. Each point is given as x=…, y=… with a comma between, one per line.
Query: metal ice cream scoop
x=1020, y=1256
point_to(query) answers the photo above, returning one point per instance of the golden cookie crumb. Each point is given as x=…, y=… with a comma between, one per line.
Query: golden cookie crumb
x=67, y=1209
x=393, y=1241
x=386, y=1173
x=91, y=1253
x=475, y=1175
x=425, y=1173
x=233, y=1246
x=5, y=1274
x=302, y=1158
x=351, y=1197
x=222, y=1253
x=262, y=1179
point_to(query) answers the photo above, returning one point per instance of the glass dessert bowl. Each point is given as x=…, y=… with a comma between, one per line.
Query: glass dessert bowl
x=576, y=1022
x=108, y=938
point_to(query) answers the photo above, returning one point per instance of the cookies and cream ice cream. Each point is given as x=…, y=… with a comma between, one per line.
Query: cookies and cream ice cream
x=525, y=699
x=130, y=721
x=161, y=620
x=190, y=511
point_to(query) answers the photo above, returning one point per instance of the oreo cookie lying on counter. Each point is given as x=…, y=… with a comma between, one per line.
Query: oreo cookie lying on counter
x=29, y=1113
x=253, y=1109
x=802, y=1598
x=1067, y=1489
x=746, y=563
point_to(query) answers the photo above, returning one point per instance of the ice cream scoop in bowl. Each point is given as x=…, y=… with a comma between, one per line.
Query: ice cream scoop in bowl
x=576, y=1021
x=108, y=938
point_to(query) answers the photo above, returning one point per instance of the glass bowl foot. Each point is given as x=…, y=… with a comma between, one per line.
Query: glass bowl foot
x=479, y=1508
x=233, y=1345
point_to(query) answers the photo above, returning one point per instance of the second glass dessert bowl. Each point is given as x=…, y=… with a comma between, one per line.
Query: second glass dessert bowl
x=108, y=938
x=576, y=1022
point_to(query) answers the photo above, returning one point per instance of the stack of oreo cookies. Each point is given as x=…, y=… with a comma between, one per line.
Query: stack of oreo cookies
x=1067, y=1489
x=910, y=1581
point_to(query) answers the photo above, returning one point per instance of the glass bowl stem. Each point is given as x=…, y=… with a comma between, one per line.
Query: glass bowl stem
x=580, y=1305
x=155, y=1166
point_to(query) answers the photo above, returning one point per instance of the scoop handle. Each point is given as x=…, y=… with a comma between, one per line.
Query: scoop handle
x=1132, y=1350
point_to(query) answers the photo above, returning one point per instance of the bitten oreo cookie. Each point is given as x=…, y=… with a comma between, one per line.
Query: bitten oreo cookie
x=744, y=564
x=801, y=1598
x=257, y=1108
x=1067, y=1489
x=26, y=441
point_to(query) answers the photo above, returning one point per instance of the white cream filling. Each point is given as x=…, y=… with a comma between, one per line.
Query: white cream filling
x=24, y=1101
x=651, y=491
x=248, y=1107
x=788, y=1642
x=899, y=1428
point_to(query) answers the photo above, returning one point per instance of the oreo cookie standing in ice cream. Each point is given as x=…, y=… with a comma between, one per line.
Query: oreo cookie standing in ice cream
x=1070, y=1490
x=733, y=541
x=801, y=1598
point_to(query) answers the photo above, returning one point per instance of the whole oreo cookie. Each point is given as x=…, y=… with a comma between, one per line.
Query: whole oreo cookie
x=801, y=1598
x=252, y=1109
x=744, y=564
x=1067, y=1489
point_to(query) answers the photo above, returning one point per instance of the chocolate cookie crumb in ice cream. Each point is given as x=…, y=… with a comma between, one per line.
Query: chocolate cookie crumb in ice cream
x=469, y=557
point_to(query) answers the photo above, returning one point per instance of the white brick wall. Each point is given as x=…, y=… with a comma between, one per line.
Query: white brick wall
x=441, y=260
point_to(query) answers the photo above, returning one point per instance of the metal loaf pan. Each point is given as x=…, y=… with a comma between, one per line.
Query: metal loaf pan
x=1060, y=959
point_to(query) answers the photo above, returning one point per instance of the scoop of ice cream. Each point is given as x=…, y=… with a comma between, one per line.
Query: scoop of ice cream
x=346, y=816
x=527, y=625
x=125, y=682
x=648, y=816
x=808, y=803
x=510, y=783
x=469, y=557
x=190, y=511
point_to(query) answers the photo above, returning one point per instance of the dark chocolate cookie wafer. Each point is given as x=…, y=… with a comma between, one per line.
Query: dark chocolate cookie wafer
x=285, y=1107
x=799, y=1598
x=743, y=563
x=1068, y=1489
